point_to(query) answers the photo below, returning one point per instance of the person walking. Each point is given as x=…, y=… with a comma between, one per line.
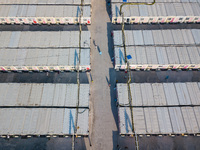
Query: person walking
x=97, y=48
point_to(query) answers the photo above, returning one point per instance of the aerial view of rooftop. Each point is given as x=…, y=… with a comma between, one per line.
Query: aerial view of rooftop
x=99, y=74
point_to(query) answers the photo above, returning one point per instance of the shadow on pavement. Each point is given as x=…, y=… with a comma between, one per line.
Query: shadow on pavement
x=43, y=77
x=115, y=140
x=169, y=143
x=161, y=143
x=42, y=28
x=126, y=143
x=42, y=144
x=107, y=80
x=159, y=76
x=79, y=144
x=155, y=26
x=112, y=81
x=108, y=8
x=113, y=104
x=110, y=42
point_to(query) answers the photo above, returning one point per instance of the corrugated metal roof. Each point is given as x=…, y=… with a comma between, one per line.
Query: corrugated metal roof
x=43, y=94
x=55, y=39
x=44, y=57
x=148, y=37
x=197, y=114
x=125, y=124
x=164, y=120
x=160, y=94
x=44, y=11
x=170, y=94
x=190, y=119
x=152, y=124
x=147, y=94
x=194, y=93
x=183, y=94
x=162, y=9
x=158, y=37
x=177, y=120
x=42, y=121
x=69, y=2
x=139, y=121
x=158, y=1
x=151, y=55
x=160, y=120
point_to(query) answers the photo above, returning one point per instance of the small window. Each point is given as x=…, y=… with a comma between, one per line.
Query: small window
x=20, y=20
x=180, y=18
x=48, y=19
x=133, y=19
x=39, y=19
x=169, y=18
x=159, y=18
x=187, y=18
x=151, y=19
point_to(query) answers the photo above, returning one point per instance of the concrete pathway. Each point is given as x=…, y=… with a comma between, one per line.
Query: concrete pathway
x=103, y=128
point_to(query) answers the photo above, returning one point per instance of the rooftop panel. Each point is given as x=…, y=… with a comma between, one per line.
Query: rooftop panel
x=42, y=121
x=160, y=94
x=159, y=120
x=32, y=94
